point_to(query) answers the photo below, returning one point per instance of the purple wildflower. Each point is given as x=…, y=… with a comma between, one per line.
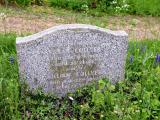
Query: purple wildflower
x=158, y=58
x=11, y=60
x=131, y=58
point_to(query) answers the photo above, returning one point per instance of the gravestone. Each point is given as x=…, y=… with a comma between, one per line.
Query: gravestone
x=63, y=58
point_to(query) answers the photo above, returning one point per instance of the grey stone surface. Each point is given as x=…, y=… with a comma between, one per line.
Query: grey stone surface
x=65, y=57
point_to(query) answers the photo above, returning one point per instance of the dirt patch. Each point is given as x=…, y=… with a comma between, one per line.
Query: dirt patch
x=21, y=25
x=137, y=27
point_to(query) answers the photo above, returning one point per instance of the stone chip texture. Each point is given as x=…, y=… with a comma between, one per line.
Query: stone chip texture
x=63, y=58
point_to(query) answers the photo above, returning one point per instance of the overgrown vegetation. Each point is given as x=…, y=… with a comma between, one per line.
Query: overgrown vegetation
x=22, y=2
x=135, y=98
x=140, y=7
x=144, y=7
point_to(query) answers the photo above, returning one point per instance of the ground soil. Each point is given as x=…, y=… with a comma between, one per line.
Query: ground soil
x=138, y=27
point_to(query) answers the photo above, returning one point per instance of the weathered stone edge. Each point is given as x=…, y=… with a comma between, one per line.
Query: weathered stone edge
x=21, y=40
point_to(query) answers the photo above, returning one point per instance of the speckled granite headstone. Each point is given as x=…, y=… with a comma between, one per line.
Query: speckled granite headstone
x=63, y=58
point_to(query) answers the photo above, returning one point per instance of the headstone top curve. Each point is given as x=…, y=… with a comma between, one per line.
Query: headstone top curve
x=51, y=30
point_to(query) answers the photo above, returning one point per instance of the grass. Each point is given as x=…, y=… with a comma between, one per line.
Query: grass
x=9, y=95
x=135, y=98
x=143, y=7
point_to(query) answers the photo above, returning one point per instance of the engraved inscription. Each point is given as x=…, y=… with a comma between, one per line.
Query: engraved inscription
x=79, y=63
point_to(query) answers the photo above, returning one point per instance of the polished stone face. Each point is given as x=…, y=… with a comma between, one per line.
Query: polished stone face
x=66, y=57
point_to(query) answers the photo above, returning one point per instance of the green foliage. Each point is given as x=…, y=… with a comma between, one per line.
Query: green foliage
x=145, y=7
x=135, y=98
x=140, y=7
x=78, y=5
x=23, y=2
x=81, y=5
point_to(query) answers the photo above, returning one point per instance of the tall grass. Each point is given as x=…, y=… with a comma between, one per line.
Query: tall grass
x=22, y=2
x=135, y=98
x=145, y=7
x=9, y=90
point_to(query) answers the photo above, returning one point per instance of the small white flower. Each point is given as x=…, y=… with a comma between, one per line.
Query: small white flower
x=115, y=111
x=126, y=5
x=114, y=2
x=137, y=111
x=102, y=116
x=71, y=98
x=2, y=16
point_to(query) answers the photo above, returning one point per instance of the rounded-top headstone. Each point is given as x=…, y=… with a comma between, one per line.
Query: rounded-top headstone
x=63, y=58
